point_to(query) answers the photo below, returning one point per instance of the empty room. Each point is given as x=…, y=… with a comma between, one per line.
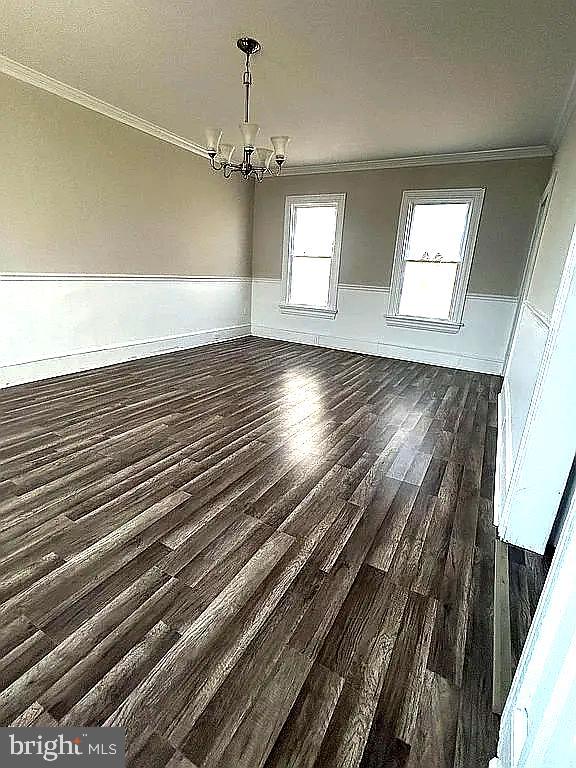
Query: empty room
x=287, y=363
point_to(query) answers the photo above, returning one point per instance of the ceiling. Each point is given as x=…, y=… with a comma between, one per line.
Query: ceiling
x=349, y=80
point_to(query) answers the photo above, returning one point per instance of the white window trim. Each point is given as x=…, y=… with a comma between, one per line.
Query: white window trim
x=474, y=196
x=330, y=310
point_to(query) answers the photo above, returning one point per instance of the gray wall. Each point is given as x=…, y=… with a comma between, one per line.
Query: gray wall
x=513, y=188
x=80, y=192
x=558, y=228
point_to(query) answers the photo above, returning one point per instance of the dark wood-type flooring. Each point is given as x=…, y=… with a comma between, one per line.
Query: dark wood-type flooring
x=527, y=573
x=253, y=555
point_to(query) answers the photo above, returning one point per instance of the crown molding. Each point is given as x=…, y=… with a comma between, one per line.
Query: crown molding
x=46, y=83
x=483, y=155
x=566, y=113
x=50, y=84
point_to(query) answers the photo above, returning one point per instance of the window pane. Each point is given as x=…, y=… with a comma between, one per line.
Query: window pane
x=310, y=281
x=427, y=289
x=437, y=231
x=314, y=230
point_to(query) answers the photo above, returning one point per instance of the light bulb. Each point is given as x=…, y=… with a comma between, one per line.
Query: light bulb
x=226, y=152
x=249, y=133
x=280, y=143
x=213, y=136
x=261, y=157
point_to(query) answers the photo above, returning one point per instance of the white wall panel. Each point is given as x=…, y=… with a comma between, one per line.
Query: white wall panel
x=53, y=325
x=360, y=326
x=522, y=370
x=539, y=405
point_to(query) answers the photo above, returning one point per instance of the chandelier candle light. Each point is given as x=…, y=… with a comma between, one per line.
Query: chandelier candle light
x=256, y=160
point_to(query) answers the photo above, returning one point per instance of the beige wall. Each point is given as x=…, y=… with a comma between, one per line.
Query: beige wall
x=558, y=228
x=513, y=188
x=80, y=192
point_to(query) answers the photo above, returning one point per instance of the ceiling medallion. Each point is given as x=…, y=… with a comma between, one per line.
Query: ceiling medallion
x=255, y=163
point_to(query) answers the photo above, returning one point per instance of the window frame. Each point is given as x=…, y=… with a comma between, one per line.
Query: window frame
x=475, y=197
x=298, y=201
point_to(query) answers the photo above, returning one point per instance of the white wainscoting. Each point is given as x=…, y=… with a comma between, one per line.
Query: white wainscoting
x=514, y=401
x=360, y=326
x=57, y=324
x=541, y=409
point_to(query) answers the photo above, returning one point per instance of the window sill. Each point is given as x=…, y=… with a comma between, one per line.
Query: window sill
x=423, y=324
x=302, y=309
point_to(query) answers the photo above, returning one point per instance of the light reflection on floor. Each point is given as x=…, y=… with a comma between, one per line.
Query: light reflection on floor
x=304, y=409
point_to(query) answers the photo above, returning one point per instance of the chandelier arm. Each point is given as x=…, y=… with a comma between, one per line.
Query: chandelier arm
x=229, y=168
x=275, y=172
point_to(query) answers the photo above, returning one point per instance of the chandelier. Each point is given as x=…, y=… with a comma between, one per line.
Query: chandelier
x=255, y=163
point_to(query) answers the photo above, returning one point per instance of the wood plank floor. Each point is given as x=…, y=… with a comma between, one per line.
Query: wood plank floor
x=256, y=554
x=527, y=574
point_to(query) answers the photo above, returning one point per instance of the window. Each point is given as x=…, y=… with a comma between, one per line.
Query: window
x=434, y=248
x=311, y=256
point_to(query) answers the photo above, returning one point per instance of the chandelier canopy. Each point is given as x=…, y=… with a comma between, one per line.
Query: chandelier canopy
x=255, y=163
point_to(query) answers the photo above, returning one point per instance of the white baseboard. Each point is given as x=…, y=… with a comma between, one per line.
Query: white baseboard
x=380, y=349
x=48, y=368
